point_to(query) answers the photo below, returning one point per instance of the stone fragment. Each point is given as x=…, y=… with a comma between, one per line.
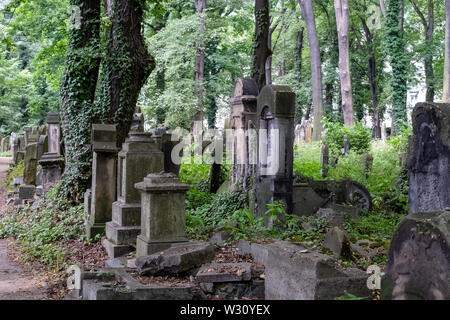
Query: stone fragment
x=180, y=258
x=225, y=272
x=337, y=241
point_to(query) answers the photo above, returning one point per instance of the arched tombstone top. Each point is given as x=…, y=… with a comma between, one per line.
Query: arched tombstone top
x=244, y=88
x=276, y=101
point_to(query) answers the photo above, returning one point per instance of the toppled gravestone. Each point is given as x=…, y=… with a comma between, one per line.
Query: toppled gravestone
x=337, y=241
x=179, y=258
x=293, y=272
x=419, y=259
x=429, y=158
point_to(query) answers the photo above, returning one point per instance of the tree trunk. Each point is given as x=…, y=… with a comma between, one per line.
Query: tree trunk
x=127, y=65
x=77, y=96
x=316, y=66
x=261, y=42
x=199, y=72
x=298, y=65
x=446, y=97
x=343, y=23
x=398, y=60
x=376, y=129
x=428, y=26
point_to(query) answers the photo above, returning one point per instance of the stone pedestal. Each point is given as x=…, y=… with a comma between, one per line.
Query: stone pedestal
x=104, y=169
x=139, y=157
x=51, y=161
x=276, y=109
x=163, y=219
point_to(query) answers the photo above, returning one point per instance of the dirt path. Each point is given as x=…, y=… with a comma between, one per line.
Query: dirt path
x=15, y=283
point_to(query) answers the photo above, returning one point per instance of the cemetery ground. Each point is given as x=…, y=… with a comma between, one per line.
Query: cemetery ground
x=49, y=235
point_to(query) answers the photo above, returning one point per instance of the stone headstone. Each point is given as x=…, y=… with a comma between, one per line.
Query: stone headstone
x=308, y=132
x=104, y=170
x=30, y=164
x=243, y=118
x=167, y=146
x=383, y=132
x=276, y=110
x=51, y=160
x=429, y=158
x=140, y=156
x=299, y=134
x=346, y=146
x=26, y=134
x=163, y=219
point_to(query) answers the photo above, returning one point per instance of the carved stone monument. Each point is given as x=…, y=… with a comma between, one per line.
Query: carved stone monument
x=163, y=219
x=104, y=170
x=276, y=109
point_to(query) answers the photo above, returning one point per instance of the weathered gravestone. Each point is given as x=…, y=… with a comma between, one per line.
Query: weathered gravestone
x=139, y=157
x=346, y=150
x=104, y=169
x=308, y=132
x=325, y=160
x=243, y=123
x=27, y=190
x=419, y=257
x=163, y=219
x=51, y=160
x=26, y=133
x=429, y=158
x=276, y=109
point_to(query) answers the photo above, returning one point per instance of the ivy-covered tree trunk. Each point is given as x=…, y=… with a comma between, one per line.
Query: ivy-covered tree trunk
x=77, y=95
x=126, y=66
x=428, y=25
x=299, y=60
x=316, y=66
x=261, y=42
x=446, y=97
x=397, y=52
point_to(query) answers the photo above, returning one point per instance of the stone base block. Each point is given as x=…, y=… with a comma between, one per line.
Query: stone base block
x=114, y=250
x=125, y=214
x=146, y=248
x=122, y=235
x=26, y=192
x=94, y=229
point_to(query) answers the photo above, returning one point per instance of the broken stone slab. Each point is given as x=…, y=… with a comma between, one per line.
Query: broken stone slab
x=179, y=258
x=258, y=251
x=337, y=241
x=294, y=272
x=418, y=264
x=114, y=250
x=238, y=290
x=120, y=285
x=220, y=238
x=225, y=272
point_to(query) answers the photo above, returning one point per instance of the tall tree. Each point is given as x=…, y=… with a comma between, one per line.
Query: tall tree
x=299, y=51
x=261, y=42
x=77, y=96
x=428, y=25
x=199, y=72
x=342, y=13
x=126, y=66
x=396, y=48
x=446, y=97
x=316, y=66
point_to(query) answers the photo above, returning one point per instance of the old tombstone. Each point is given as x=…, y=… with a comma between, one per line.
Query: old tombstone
x=299, y=134
x=383, y=132
x=243, y=121
x=276, y=109
x=14, y=147
x=167, y=146
x=419, y=257
x=26, y=134
x=104, y=170
x=27, y=190
x=51, y=161
x=308, y=132
x=368, y=164
x=325, y=160
x=139, y=157
x=346, y=150
x=43, y=146
x=163, y=219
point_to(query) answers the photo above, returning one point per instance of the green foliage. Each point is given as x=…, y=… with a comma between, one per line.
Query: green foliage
x=15, y=172
x=359, y=137
x=6, y=154
x=41, y=232
x=307, y=160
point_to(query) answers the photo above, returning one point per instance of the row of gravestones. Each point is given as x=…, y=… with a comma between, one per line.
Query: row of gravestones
x=39, y=149
x=135, y=196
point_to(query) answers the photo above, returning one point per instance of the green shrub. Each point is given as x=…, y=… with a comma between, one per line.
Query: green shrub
x=41, y=231
x=17, y=171
x=5, y=154
x=359, y=138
